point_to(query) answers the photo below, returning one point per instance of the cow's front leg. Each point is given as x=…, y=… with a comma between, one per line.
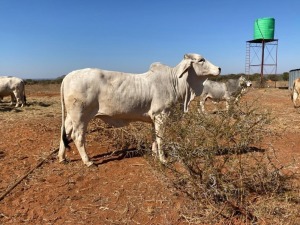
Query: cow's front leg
x=159, y=130
x=229, y=101
x=154, y=148
x=295, y=97
x=202, y=103
x=227, y=105
x=154, y=144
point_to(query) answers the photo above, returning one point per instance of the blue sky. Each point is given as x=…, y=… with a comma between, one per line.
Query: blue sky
x=50, y=38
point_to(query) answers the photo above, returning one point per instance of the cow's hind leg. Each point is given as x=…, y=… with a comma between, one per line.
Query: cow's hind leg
x=17, y=97
x=80, y=118
x=66, y=131
x=75, y=129
x=78, y=135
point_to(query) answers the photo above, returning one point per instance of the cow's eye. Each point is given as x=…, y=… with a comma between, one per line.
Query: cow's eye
x=202, y=60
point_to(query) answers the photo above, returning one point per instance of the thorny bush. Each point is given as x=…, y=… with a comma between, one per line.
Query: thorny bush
x=219, y=162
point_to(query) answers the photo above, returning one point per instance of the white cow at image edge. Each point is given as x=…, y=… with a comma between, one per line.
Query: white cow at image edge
x=119, y=98
x=14, y=87
x=295, y=91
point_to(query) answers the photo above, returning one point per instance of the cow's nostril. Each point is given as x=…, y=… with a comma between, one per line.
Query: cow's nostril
x=220, y=69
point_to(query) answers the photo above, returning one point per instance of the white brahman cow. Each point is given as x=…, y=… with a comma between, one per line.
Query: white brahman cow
x=295, y=91
x=229, y=91
x=14, y=87
x=119, y=98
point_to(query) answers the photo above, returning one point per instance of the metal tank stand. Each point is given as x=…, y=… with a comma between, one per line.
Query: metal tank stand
x=261, y=57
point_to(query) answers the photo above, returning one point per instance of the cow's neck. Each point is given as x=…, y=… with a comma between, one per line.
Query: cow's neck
x=184, y=92
x=189, y=86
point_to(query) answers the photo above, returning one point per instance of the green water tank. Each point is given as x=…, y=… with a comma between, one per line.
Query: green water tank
x=264, y=28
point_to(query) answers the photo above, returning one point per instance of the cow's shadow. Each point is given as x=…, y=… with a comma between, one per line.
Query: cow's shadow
x=2, y=155
x=36, y=103
x=228, y=151
x=117, y=155
x=133, y=152
x=121, y=154
x=9, y=108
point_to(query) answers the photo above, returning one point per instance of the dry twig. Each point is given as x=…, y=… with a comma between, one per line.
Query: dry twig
x=26, y=175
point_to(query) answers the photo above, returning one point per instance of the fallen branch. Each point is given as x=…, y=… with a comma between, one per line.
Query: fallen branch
x=248, y=214
x=26, y=175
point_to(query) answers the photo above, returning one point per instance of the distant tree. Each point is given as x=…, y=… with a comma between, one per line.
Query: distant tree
x=255, y=77
x=285, y=76
x=273, y=77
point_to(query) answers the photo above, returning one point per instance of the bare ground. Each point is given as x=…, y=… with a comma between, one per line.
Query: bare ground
x=121, y=190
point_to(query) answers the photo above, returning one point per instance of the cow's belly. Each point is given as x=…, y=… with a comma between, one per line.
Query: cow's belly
x=4, y=93
x=130, y=110
x=217, y=97
x=119, y=120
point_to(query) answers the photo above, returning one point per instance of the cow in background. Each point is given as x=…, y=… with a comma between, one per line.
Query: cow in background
x=14, y=87
x=295, y=92
x=119, y=98
x=229, y=91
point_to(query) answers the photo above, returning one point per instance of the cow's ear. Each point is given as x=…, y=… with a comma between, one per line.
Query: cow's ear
x=183, y=66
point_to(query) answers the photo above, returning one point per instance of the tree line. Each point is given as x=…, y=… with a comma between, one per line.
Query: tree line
x=252, y=77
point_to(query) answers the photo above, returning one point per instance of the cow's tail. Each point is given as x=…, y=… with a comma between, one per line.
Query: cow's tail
x=64, y=138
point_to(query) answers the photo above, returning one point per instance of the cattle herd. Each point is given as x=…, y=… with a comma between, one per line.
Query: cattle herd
x=119, y=98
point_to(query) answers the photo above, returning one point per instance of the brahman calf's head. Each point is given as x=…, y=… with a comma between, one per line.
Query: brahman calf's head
x=244, y=83
x=201, y=66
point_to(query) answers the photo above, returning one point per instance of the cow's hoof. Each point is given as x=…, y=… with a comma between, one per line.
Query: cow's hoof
x=63, y=161
x=163, y=160
x=90, y=164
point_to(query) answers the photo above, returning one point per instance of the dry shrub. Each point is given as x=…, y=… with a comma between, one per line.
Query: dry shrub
x=220, y=163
